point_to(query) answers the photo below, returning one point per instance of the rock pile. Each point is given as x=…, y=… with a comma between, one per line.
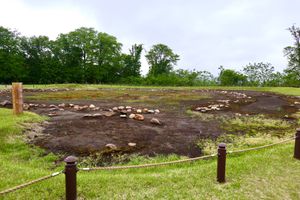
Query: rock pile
x=213, y=107
x=237, y=95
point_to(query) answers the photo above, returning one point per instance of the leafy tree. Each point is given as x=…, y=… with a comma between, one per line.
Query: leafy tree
x=161, y=60
x=38, y=59
x=189, y=77
x=11, y=59
x=230, y=77
x=108, y=58
x=75, y=50
x=206, y=78
x=276, y=79
x=293, y=55
x=132, y=62
x=88, y=56
x=259, y=73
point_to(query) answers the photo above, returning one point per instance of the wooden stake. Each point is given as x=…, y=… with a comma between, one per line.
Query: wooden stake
x=17, y=96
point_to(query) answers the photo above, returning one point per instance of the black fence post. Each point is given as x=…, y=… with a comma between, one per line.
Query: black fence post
x=221, y=163
x=70, y=172
x=297, y=145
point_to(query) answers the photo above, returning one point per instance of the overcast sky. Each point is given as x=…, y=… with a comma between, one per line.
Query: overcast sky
x=206, y=34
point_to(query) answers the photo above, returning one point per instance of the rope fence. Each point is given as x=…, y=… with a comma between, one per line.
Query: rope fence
x=30, y=183
x=262, y=147
x=183, y=160
x=148, y=165
x=71, y=169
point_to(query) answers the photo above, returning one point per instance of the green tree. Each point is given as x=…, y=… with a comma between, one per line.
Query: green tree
x=108, y=58
x=259, y=73
x=38, y=59
x=206, y=78
x=161, y=60
x=132, y=62
x=11, y=59
x=293, y=55
x=230, y=77
x=76, y=52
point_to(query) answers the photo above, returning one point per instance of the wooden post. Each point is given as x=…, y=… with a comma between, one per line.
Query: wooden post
x=297, y=145
x=17, y=98
x=70, y=172
x=221, y=165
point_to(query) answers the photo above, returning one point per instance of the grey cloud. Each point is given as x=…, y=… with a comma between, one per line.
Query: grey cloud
x=206, y=34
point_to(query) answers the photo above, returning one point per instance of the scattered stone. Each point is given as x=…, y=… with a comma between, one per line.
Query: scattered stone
x=145, y=110
x=92, y=106
x=128, y=107
x=52, y=114
x=96, y=115
x=238, y=114
x=52, y=106
x=61, y=109
x=84, y=107
x=139, y=117
x=123, y=112
x=6, y=103
x=62, y=105
x=155, y=121
x=92, y=116
x=108, y=113
x=26, y=106
x=43, y=105
x=76, y=107
x=71, y=105
x=131, y=144
x=53, y=109
x=297, y=103
x=224, y=101
x=87, y=116
x=123, y=116
x=131, y=116
x=156, y=111
x=121, y=107
x=111, y=146
x=138, y=111
x=129, y=110
x=151, y=111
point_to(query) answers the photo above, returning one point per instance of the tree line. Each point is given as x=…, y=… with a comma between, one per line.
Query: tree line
x=88, y=56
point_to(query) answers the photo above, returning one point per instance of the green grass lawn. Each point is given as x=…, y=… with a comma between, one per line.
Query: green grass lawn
x=270, y=173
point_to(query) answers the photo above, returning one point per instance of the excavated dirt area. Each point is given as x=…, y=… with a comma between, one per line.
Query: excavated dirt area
x=82, y=126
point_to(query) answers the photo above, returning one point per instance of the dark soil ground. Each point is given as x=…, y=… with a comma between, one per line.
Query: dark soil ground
x=70, y=132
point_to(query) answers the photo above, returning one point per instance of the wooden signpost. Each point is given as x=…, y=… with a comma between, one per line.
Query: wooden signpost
x=17, y=98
